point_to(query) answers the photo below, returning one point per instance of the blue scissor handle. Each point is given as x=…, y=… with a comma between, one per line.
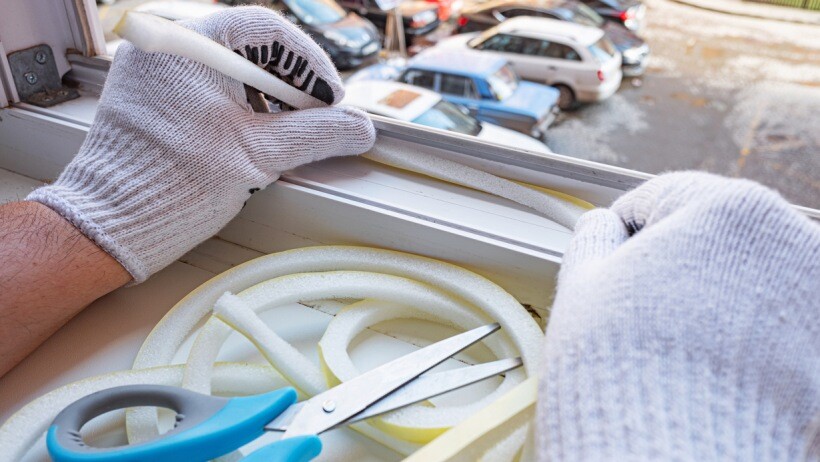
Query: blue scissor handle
x=206, y=427
x=297, y=449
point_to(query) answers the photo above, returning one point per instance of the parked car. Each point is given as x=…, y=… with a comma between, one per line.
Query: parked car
x=577, y=60
x=634, y=50
x=630, y=13
x=485, y=85
x=348, y=38
x=425, y=107
x=418, y=16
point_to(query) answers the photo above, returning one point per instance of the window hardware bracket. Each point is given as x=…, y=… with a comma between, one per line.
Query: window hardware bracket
x=36, y=77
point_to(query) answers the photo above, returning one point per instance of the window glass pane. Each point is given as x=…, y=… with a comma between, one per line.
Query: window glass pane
x=505, y=43
x=494, y=43
x=559, y=51
x=513, y=44
x=602, y=50
x=531, y=46
x=420, y=78
x=454, y=85
x=315, y=11
x=448, y=117
x=503, y=83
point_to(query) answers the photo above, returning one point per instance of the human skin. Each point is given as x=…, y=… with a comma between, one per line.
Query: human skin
x=49, y=272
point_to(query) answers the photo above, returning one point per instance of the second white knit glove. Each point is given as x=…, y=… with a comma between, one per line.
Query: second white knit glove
x=686, y=326
x=175, y=149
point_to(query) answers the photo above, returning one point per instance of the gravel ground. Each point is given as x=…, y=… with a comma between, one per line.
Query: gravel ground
x=730, y=95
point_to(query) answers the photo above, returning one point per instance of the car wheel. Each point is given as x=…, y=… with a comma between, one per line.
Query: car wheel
x=566, y=97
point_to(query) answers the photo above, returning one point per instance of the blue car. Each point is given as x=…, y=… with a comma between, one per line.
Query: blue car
x=486, y=86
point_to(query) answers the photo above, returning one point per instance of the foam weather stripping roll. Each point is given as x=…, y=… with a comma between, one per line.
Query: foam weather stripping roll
x=242, y=318
x=154, y=34
x=19, y=433
x=459, y=297
x=472, y=439
x=418, y=424
x=559, y=207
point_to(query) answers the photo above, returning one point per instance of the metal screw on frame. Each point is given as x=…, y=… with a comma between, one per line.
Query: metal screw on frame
x=31, y=77
x=41, y=57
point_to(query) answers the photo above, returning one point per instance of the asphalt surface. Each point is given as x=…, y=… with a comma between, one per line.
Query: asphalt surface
x=729, y=95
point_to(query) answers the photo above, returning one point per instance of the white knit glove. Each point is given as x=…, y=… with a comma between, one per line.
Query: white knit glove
x=175, y=149
x=686, y=326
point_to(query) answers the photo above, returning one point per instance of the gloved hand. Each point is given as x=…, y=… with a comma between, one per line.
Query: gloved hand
x=686, y=326
x=175, y=149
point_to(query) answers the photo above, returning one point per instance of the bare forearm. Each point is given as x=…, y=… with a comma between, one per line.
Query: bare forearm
x=49, y=272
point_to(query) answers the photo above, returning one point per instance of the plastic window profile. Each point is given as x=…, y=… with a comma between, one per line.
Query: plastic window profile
x=86, y=27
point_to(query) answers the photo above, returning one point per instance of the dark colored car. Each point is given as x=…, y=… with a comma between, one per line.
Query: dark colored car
x=348, y=38
x=630, y=13
x=634, y=50
x=418, y=16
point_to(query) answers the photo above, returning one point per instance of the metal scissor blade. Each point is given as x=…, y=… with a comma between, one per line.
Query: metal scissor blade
x=436, y=384
x=424, y=387
x=335, y=406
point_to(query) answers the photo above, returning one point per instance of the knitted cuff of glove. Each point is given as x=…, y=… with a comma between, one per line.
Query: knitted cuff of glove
x=51, y=198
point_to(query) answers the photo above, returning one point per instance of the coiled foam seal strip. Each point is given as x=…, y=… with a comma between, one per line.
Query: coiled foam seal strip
x=433, y=279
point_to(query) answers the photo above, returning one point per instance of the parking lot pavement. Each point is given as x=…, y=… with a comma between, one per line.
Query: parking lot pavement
x=730, y=95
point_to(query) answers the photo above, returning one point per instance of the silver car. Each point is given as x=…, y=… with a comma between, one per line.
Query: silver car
x=578, y=60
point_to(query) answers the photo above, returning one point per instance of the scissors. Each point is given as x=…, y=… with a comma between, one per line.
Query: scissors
x=209, y=426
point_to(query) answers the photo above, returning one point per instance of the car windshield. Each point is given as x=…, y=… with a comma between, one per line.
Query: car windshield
x=603, y=50
x=585, y=16
x=447, y=116
x=316, y=11
x=503, y=83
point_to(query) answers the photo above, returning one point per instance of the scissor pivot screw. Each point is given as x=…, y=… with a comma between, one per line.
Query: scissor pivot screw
x=329, y=406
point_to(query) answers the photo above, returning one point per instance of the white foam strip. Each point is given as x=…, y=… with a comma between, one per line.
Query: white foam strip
x=302, y=372
x=163, y=342
x=154, y=34
x=561, y=211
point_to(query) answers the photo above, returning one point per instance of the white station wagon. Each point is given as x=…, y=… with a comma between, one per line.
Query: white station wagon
x=424, y=107
x=578, y=60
